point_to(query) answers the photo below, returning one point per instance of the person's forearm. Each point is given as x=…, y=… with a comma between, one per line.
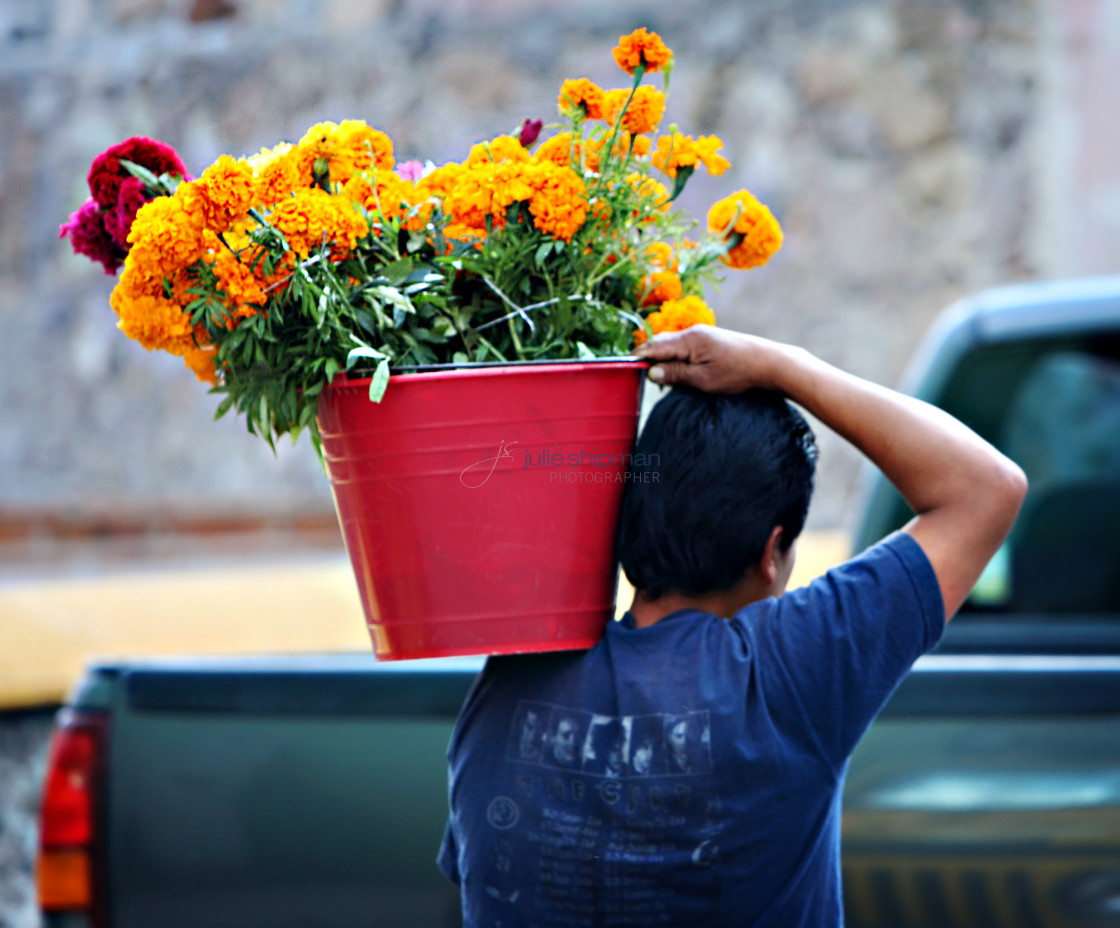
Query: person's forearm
x=933, y=459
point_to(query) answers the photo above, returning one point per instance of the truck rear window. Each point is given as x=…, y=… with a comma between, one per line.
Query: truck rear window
x=1054, y=408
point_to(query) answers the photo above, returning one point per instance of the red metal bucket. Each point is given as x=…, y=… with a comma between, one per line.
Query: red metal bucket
x=479, y=504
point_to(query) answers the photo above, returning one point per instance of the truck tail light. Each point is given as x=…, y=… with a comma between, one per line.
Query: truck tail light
x=70, y=814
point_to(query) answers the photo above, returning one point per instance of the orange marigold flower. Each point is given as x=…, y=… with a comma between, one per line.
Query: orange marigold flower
x=165, y=237
x=559, y=201
x=394, y=198
x=439, y=181
x=502, y=148
x=661, y=256
x=753, y=232
x=641, y=47
x=154, y=321
x=311, y=217
x=562, y=150
x=676, y=316
x=222, y=195
x=677, y=151
x=660, y=287
x=245, y=293
x=470, y=200
x=581, y=97
x=200, y=361
x=642, y=115
x=512, y=182
x=650, y=190
x=278, y=175
x=457, y=232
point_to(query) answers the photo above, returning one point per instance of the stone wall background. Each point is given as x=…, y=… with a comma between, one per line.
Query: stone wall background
x=914, y=151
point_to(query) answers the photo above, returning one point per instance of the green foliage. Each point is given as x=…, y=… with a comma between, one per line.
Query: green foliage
x=411, y=297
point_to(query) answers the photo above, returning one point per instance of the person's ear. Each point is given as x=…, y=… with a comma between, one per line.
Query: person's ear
x=769, y=566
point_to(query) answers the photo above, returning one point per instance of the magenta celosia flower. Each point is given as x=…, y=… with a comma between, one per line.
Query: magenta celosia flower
x=118, y=220
x=88, y=236
x=530, y=130
x=410, y=170
x=106, y=173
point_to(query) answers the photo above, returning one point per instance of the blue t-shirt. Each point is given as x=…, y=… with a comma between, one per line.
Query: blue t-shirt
x=688, y=773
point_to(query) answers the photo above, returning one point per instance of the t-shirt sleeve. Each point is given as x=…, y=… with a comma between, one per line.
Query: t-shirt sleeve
x=829, y=655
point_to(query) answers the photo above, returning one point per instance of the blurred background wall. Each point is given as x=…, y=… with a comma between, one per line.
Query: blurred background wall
x=914, y=151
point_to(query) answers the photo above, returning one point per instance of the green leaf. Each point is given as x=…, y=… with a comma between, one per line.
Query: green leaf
x=684, y=172
x=223, y=407
x=397, y=300
x=379, y=381
x=363, y=351
x=142, y=173
x=365, y=320
x=397, y=272
x=542, y=253
x=585, y=353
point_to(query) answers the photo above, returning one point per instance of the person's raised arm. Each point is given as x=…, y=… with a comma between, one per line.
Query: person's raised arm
x=964, y=492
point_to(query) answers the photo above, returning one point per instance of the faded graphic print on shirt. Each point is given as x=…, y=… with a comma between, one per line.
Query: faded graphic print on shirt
x=604, y=807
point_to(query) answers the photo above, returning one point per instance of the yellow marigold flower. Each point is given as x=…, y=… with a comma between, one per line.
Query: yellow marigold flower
x=661, y=256
x=263, y=158
x=750, y=227
x=581, y=97
x=502, y=148
x=676, y=316
x=641, y=47
x=660, y=287
x=349, y=148
x=642, y=115
x=677, y=151
x=222, y=195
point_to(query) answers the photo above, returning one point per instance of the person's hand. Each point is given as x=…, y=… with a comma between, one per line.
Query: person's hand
x=711, y=359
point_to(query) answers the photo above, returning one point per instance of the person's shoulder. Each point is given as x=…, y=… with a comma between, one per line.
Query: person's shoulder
x=899, y=558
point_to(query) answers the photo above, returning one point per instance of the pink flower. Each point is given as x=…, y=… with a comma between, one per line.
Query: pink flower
x=88, y=236
x=410, y=170
x=530, y=130
x=106, y=173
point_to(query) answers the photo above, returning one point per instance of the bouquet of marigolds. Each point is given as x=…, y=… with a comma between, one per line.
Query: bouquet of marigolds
x=273, y=274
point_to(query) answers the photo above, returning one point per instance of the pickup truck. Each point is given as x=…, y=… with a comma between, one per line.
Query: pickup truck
x=310, y=791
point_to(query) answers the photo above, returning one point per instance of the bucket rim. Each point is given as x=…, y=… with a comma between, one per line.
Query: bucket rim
x=490, y=368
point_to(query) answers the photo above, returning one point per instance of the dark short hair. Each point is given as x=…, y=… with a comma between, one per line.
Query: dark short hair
x=725, y=469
